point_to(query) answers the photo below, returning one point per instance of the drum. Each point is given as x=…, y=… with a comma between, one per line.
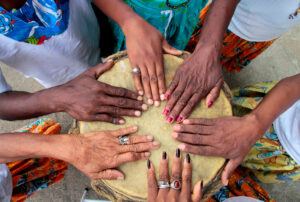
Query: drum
x=152, y=122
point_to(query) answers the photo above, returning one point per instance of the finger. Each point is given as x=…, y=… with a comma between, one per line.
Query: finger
x=197, y=192
x=146, y=85
x=164, y=173
x=140, y=139
x=191, y=104
x=120, y=92
x=131, y=157
x=205, y=122
x=180, y=105
x=186, y=177
x=99, y=69
x=154, y=83
x=161, y=78
x=196, y=129
x=167, y=48
x=140, y=147
x=138, y=83
x=119, y=111
x=176, y=171
x=124, y=131
x=106, y=118
x=110, y=174
x=152, y=184
x=214, y=93
x=194, y=139
x=126, y=103
x=172, y=101
x=229, y=168
x=200, y=150
x=172, y=86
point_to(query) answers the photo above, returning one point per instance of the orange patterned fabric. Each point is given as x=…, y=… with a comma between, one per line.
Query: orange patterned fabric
x=237, y=53
x=31, y=175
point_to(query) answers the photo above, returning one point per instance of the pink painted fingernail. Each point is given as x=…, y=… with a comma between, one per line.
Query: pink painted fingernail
x=167, y=96
x=179, y=119
x=165, y=112
x=169, y=119
x=209, y=104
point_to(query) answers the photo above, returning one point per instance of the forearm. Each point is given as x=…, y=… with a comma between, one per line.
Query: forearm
x=278, y=100
x=23, y=105
x=216, y=23
x=14, y=147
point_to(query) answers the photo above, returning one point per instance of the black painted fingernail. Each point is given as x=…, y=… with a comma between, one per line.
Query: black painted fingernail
x=188, y=158
x=164, y=155
x=202, y=185
x=177, y=153
x=149, y=164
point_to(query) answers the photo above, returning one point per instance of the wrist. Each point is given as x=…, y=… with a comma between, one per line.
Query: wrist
x=257, y=123
x=213, y=46
x=133, y=21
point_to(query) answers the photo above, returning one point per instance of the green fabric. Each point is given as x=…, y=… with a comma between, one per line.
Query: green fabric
x=177, y=25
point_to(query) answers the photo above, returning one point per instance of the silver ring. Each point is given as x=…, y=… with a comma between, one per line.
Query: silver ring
x=175, y=184
x=163, y=184
x=135, y=70
x=123, y=140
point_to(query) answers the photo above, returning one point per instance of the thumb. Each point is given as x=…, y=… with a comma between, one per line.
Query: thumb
x=214, y=93
x=111, y=174
x=229, y=168
x=167, y=48
x=197, y=192
x=99, y=69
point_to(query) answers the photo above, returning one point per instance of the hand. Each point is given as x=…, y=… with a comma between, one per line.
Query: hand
x=145, y=45
x=169, y=194
x=228, y=137
x=97, y=153
x=200, y=75
x=86, y=99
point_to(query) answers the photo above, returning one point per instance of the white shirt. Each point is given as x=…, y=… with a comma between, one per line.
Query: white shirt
x=5, y=184
x=287, y=127
x=264, y=20
x=61, y=58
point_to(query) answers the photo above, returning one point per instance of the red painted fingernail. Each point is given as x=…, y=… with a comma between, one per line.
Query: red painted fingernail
x=210, y=103
x=167, y=96
x=179, y=119
x=169, y=119
x=165, y=112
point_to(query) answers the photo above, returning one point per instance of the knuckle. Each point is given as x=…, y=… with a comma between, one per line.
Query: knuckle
x=121, y=102
x=191, y=105
x=153, y=79
x=163, y=177
x=120, y=91
x=177, y=93
x=161, y=76
x=187, y=179
x=196, y=139
x=182, y=103
x=145, y=79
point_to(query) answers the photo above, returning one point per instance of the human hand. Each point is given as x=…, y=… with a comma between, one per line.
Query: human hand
x=86, y=99
x=145, y=45
x=170, y=194
x=200, y=75
x=97, y=154
x=228, y=137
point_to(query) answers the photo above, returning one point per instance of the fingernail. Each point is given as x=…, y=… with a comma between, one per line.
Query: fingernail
x=177, y=127
x=179, y=119
x=149, y=137
x=169, y=119
x=201, y=185
x=155, y=143
x=209, y=104
x=162, y=97
x=175, y=135
x=165, y=112
x=149, y=164
x=121, y=121
x=147, y=154
x=177, y=153
x=140, y=98
x=185, y=121
x=188, y=158
x=164, y=155
x=134, y=127
x=226, y=182
x=181, y=147
x=156, y=103
x=137, y=113
x=150, y=101
x=167, y=96
x=144, y=107
x=110, y=60
x=120, y=178
x=141, y=92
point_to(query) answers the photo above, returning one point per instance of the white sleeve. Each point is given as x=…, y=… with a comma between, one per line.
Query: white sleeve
x=3, y=84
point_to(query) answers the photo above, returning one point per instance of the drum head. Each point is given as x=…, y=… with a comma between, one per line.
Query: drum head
x=152, y=122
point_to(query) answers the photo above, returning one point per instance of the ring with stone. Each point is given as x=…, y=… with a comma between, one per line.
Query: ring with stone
x=136, y=70
x=123, y=140
x=163, y=184
x=175, y=184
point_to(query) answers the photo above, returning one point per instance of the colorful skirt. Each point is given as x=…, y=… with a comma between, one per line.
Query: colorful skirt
x=31, y=175
x=237, y=53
